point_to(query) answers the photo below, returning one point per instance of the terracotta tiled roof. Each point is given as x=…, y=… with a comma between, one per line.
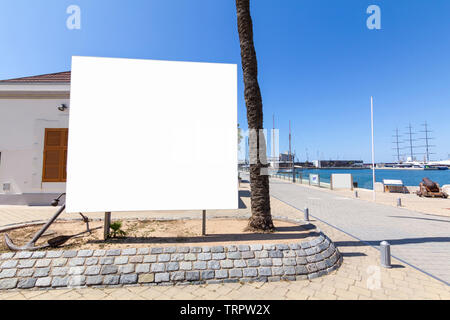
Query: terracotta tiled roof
x=51, y=77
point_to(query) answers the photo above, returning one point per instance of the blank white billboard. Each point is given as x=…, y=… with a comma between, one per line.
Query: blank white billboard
x=151, y=135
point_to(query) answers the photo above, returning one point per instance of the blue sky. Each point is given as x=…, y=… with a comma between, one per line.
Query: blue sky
x=318, y=62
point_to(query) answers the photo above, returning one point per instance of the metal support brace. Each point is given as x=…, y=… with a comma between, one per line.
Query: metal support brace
x=32, y=244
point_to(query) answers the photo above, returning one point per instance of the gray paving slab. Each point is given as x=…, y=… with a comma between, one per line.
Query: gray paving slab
x=419, y=239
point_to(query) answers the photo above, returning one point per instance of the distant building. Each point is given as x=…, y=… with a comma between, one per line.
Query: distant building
x=316, y=163
x=338, y=163
x=286, y=157
x=285, y=160
x=305, y=164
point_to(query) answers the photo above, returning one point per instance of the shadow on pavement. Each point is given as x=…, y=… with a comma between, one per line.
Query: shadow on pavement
x=391, y=241
x=244, y=194
x=242, y=204
x=353, y=254
x=397, y=266
x=303, y=227
x=401, y=217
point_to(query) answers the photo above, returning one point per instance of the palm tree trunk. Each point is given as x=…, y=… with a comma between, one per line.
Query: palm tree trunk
x=261, y=218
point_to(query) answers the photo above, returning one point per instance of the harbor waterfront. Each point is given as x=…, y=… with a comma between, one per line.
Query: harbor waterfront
x=364, y=176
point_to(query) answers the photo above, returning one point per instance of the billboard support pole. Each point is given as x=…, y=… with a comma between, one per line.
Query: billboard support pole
x=107, y=225
x=204, y=223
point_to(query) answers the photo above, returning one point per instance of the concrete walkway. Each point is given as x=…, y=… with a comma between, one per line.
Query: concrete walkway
x=419, y=239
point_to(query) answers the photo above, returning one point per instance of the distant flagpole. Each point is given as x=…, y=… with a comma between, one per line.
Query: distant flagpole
x=373, y=150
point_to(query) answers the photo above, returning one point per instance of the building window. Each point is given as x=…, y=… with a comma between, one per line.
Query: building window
x=55, y=155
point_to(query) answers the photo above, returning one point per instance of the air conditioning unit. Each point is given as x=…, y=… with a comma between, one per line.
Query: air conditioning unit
x=6, y=187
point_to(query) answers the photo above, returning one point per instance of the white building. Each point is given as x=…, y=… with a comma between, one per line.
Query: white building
x=316, y=163
x=34, y=114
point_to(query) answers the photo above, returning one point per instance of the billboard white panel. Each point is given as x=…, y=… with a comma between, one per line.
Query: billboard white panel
x=151, y=135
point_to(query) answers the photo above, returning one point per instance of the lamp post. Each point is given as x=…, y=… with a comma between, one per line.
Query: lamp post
x=373, y=151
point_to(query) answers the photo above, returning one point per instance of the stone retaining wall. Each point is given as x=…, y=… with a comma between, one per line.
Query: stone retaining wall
x=169, y=265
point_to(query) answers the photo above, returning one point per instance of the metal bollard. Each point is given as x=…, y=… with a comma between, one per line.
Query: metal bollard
x=356, y=193
x=306, y=211
x=399, y=202
x=385, y=250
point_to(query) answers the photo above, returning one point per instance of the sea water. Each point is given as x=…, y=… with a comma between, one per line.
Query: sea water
x=364, y=176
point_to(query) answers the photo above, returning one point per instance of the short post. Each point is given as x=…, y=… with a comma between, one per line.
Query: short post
x=399, y=202
x=204, y=223
x=107, y=225
x=293, y=174
x=356, y=193
x=385, y=250
x=306, y=212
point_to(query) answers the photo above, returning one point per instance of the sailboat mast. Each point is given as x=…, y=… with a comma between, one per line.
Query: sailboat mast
x=410, y=140
x=290, y=154
x=273, y=137
x=426, y=142
x=397, y=145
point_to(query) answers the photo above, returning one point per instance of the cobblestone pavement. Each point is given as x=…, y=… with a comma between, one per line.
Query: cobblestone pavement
x=171, y=264
x=419, y=239
x=359, y=277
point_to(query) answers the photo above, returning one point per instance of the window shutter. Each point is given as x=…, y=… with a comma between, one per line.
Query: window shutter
x=64, y=164
x=55, y=155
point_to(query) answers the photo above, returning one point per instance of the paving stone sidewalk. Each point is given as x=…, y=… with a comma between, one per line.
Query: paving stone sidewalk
x=359, y=277
x=165, y=265
x=417, y=238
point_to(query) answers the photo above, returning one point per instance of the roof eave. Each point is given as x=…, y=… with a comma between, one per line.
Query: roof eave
x=34, y=90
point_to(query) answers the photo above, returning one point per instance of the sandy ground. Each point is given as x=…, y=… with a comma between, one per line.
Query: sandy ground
x=163, y=233
x=11, y=216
